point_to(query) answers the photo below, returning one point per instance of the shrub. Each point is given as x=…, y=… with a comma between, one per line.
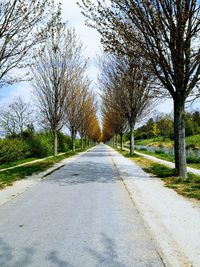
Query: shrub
x=40, y=145
x=13, y=149
x=64, y=142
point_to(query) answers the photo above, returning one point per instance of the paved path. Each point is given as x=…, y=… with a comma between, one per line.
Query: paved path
x=80, y=216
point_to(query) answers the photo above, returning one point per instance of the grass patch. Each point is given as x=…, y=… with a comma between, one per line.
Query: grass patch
x=169, y=158
x=9, y=176
x=189, y=188
x=159, y=154
x=193, y=141
x=15, y=163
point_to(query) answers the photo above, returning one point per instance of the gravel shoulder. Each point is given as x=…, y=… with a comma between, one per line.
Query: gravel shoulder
x=173, y=220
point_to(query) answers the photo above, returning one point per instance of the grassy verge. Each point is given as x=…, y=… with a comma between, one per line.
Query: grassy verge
x=9, y=176
x=167, y=157
x=15, y=163
x=189, y=188
x=158, y=155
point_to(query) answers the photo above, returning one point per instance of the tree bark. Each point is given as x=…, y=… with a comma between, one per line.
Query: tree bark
x=116, y=140
x=179, y=139
x=121, y=141
x=55, y=143
x=132, y=143
x=73, y=143
x=81, y=142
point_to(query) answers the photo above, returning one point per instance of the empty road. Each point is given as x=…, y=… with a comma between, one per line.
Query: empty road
x=79, y=216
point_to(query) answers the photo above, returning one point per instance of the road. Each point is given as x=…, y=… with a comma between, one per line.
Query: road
x=79, y=216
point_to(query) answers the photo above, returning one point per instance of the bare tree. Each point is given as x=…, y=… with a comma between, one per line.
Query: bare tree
x=15, y=117
x=53, y=72
x=168, y=34
x=77, y=94
x=87, y=113
x=128, y=87
x=23, y=25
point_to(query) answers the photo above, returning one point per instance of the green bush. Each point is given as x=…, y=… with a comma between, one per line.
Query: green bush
x=64, y=142
x=40, y=144
x=13, y=149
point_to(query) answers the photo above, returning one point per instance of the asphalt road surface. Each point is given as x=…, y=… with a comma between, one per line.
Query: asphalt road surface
x=79, y=216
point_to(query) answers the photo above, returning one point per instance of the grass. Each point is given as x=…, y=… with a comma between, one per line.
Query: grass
x=189, y=188
x=164, y=156
x=159, y=154
x=157, y=141
x=15, y=163
x=193, y=141
x=9, y=176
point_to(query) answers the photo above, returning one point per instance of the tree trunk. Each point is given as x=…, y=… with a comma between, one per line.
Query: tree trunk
x=85, y=141
x=132, y=145
x=73, y=143
x=55, y=143
x=81, y=142
x=116, y=140
x=179, y=139
x=121, y=141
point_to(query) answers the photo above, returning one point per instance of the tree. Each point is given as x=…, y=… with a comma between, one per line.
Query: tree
x=168, y=33
x=23, y=25
x=88, y=112
x=128, y=87
x=53, y=72
x=16, y=117
x=76, y=97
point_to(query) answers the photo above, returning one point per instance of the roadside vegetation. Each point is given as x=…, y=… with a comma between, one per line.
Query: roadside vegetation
x=63, y=115
x=189, y=188
x=9, y=176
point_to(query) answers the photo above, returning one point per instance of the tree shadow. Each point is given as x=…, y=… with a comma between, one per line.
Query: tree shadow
x=7, y=257
x=109, y=256
x=56, y=261
x=84, y=172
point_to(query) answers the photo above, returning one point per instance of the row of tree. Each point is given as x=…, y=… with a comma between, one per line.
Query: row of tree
x=33, y=37
x=155, y=38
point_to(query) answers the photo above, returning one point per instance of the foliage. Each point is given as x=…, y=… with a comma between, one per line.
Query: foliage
x=13, y=149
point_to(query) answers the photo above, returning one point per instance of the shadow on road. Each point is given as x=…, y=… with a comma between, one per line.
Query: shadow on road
x=29, y=256
x=82, y=172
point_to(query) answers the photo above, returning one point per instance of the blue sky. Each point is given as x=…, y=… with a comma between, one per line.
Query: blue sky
x=91, y=40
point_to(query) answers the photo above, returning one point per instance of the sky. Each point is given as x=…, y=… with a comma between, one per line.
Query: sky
x=91, y=40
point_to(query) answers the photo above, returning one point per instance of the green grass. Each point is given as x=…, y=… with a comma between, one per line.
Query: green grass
x=189, y=188
x=160, y=155
x=157, y=141
x=193, y=141
x=169, y=158
x=15, y=163
x=9, y=176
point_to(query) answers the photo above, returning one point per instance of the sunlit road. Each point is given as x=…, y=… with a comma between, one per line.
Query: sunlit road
x=79, y=216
